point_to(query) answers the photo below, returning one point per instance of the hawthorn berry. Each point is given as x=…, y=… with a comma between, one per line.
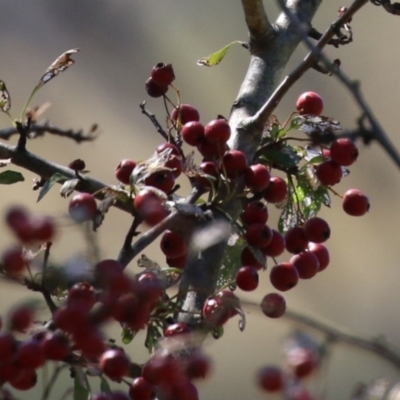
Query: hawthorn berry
x=329, y=172
x=344, y=152
x=114, y=363
x=306, y=263
x=163, y=180
x=211, y=150
x=276, y=246
x=296, y=240
x=30, y=354
x=21, y=318
x=273, y=305
x=197, y=365
x=81, y=293
x=163, y=74
x=284, y=276
x=270, y=379
x=217, y=130
x=149, y=206
x=179, y=328
x=55, y=346
x=13, y=260
x=193, y=133
x=149, y=287
x=255, y=212
x=301, y=362
x=168, y=146
x=8, y=346
x=247, y=278
x=257, y=177
x=258, y=235
x=248, y=258
x=234, y=163
x=355, y=203
x=82, y=207
x=155, y=90
x=310, y=103
x=174, y=163
x=219, y=308
x=185, y=113
x=317, y=230
x=124, y=170
x=321, y=252
x=77, y=165
x=140, y=389
x=26, y=379
x=276, y=191
x=172, y=245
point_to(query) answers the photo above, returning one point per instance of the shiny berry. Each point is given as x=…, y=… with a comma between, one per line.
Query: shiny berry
x=276, y=246
x=355, y=203
x=284, y=276
x=273, y=305
x=344, y=152
x=193, y=133
x=82, y=207
x=217, y=130
x=276, y=191
x=172, y=245
x=178, y=328
x=140, y=389
x=163, y=74
x=247, y=278
x=168, y=146
x=234, y=163
x=124, y=170
x=163, y=180
x=257, y=177
x=329, y=172
x=149, y=206
x=270, y=379
x=114, y=363
x=155, y=90
x=317, y=230
x=322, y=253
x=258, y=235
x=306, y=263
x=13, y=260
x=255, y=212
x=310, y=103
x=296, y=240
x=185, y=113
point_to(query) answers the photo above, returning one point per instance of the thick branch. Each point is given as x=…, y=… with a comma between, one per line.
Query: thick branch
x=45, y=169
x=257, y=21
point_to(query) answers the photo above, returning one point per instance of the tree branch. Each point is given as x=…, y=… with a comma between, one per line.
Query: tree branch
x=257, y=22
x=375, y=346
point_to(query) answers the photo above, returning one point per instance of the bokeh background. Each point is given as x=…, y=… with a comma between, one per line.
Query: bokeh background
x=120, y=41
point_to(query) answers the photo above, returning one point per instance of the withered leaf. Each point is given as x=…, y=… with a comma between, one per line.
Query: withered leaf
x=5, y=99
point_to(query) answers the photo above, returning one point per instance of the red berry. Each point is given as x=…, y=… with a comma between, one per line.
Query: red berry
x=178, y=328
x=149, y=206
x=193, y=133
x=13, y=260
x=276, y=246
x=296, y=240
x=247, y=278
x=172, y=245
x=82, y=207
x=217, y=130
x=255, y=212
x=211, y=150
x=106, y=270
x=329, y=172
x=149, y=287
x=21, y=318
x=155, y=90
x=68, y=319
x=30, y=354
x=140, y=389
x=257, y=177
x=163, y=74
x=197, y=366
x=160, y=369
x=77, y=165
x=175, y=164
x=276, y=191
x=234, y=163
x=321, y=252
x=17, y=218
x=168, y=146
x=355, y=203
x=163, y=180
x=284, y=276
x=248, y=258
x=317, y=230
x=114, y=363
x=209, y=168
x=219, y=308
x=258, y=235
x=270, y=379
x=301, y=361
x=306, y=263
x=25, y=380
x=344, y=152
x=89, y=341
x=83, y=294
x=124, y=170
x=55, y=346
x=310, y=103
x=186, y=113
x=273, y=305
x=8, y=346
x=42, y=228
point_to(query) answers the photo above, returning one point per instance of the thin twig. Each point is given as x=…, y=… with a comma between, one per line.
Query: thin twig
x=49, y=386
x=375, y=346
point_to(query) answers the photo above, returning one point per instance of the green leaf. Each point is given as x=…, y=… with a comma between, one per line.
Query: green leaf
x=216, y=58
x=57, y=177
x=230, y=263
x=296, y=123
x=152, y=336
x=127, y=335
x=9, y=177
x=104, y=386
x=285, y=158
x=81, y=385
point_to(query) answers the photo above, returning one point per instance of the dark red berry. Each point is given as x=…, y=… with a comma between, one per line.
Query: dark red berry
x=276, y=246
x=355, y=203
x=276, y=191
x=247, y=278
x=168, y=146
x=149, y=206
x=77, y=165
x=197, y=366
x=43, y=229
x=26, y=379
x=296, y=240
x=306, y=263
x=317, y=230
x=155, y=90
x=284, y=276
x=30, y=354
x=301, y=361
x=219, y=308
x=248, y=258
x=270, y=379
x=233, y=163
x=140, y=389
x=321, y=252
x=149, y=287
x=273, y=305
x=8, y=346
x=82, y=293
x=193, y=133
x=178, y=328
x=257, y=177
x=329, y=172
x=13, y=260
x=82, y=207
x=344, y=152
x=185, y=113
x=55, y=346
x=124, y=170
x=163, y=180
x=114, y=363
x=255, y=212
x=217, y=130
x=21, y=318
x=172, y=245
x=310, y=103
x=178, y=262
x=163, y=74
x=211, y=150
x=258, y=235
x=209, y=168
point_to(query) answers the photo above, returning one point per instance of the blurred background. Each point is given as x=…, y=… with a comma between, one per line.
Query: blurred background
x=120, y=41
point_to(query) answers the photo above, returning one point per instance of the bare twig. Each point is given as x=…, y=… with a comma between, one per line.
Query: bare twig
x=353, y=86
x=388, y=6
x=257, y=20
x=376, y=346
x=42, y=129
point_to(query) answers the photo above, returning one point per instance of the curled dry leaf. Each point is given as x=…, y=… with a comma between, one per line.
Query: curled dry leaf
x=5, y=99
x=68, y=187
x=59, y=65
